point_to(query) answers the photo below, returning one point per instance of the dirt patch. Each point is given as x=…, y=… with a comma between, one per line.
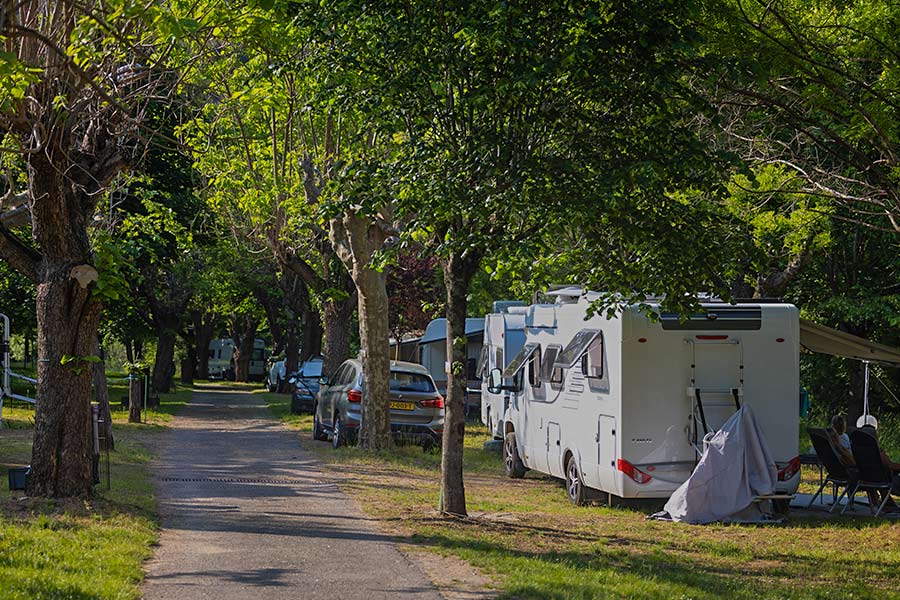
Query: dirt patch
x=454, y=578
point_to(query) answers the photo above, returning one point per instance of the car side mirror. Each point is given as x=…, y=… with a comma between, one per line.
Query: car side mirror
x=323, y=380
x=292, y=380
x=495, y=381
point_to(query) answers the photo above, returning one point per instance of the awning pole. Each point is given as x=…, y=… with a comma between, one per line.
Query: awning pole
x=866, y=391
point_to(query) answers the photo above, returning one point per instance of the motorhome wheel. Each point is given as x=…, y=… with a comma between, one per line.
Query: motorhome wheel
x=574, y=483
x=512, y=464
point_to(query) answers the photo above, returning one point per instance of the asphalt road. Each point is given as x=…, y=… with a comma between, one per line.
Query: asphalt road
x=247, y=514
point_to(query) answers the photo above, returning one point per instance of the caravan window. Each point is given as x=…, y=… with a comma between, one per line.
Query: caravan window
x=576, y=348
x=516, y=364
x=549, y=372
x=592, y=361
x=534, y=368
x=498, y=358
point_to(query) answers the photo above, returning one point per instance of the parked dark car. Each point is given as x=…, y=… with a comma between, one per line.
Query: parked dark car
x=417, y=409
x=305, y=385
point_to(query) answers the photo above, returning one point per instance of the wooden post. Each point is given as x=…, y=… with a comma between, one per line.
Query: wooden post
x=135, y=398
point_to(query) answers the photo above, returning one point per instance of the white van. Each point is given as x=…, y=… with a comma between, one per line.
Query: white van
x=221, y=366
x=504, y=336
x=621, y=405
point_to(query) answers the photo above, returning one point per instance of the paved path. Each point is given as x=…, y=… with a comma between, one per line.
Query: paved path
x=247, y=514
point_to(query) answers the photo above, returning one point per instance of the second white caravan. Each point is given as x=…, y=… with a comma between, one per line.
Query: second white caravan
x=504, y=336
x=621, y=405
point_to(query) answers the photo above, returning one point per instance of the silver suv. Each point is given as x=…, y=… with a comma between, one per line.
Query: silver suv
x=417, y=409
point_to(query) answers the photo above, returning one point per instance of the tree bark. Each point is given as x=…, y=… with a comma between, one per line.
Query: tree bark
x=135, y=398
x=189, y=364
x=458, y=271
x=311, y=343
x=67, y=317
x=163, y=365
x=101, y=395
x=375, y=433
x=336, y=321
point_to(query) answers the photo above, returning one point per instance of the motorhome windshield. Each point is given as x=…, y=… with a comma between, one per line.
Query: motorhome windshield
x=312, y=368
x=576, y=348
x=725, y=318
x=516, y=364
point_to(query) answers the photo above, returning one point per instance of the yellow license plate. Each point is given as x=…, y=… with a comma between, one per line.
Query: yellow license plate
x=403, y=405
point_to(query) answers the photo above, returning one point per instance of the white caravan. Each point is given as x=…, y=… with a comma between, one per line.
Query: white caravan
x=504, y=336
x=221, y=366
x=622, y=404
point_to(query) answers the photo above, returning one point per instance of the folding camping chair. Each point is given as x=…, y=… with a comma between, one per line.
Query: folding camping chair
x=838, y=474
x=872, y=473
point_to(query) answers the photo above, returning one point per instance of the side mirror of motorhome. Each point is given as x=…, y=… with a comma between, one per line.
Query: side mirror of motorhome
x=495, y=383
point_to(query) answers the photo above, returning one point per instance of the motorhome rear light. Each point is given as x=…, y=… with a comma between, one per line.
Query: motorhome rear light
x=354, y=396
x=642, y=340
x=632, y=471
x=779, y=340
x=789, y=470
x=712, y=337
x=436, y=402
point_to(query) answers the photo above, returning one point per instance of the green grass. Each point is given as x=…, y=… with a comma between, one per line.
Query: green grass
x=82, y=548
x=533, y=543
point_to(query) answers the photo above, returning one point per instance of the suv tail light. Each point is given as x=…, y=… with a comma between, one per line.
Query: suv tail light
x=354, y=396
x=632, y=471
x=436, y=402
x=789, y=470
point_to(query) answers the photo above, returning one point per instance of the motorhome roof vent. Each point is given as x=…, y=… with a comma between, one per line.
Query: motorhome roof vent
x=566, y=295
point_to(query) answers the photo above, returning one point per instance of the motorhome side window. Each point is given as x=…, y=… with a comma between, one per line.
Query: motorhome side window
x=548, y=372
x=592, y=361
x=482, y=362
x=534, y=368
x=498, y=359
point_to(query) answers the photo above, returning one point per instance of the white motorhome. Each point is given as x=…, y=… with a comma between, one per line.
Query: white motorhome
x=221, y=366
x=622, y=404
x=504, y=336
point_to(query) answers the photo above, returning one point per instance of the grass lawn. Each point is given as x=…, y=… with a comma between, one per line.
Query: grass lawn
x=81, y=549
x=533, y=543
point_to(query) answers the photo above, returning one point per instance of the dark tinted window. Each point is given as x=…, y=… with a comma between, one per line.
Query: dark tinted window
x=534, y=368
x=402, y=381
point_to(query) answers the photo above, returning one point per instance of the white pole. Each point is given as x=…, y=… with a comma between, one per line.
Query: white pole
x=866, y=392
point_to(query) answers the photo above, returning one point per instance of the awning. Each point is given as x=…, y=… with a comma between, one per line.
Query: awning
x=825, y=340
x=516, y=364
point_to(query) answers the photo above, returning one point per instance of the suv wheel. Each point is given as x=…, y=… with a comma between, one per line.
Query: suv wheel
x=337, y=433
x=318, y=430
x=512, y=464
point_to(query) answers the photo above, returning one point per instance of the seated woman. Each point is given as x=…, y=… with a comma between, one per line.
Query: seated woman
x=869, y=422
x=840, y=440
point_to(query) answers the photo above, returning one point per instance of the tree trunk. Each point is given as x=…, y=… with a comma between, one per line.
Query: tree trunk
x=163, y=366
x=458, y=270
x=189, y=364
x=101, y=395
x=373, y=333
x=336, y=319
x=311, y=344
x=129, y=351
x=204, y=329
x=67, y=317
x=244, y=338
x=135, y=398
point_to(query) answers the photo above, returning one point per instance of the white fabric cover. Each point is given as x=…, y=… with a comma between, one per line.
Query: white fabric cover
x=735, y=468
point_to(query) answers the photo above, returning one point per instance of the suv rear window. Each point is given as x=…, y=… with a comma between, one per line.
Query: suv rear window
x=402, y=381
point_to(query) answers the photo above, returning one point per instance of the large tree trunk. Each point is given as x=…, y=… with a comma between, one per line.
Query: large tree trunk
x=458, y=271
x=244, y=337
x=67, y=317
x=373, y=332
x=101, y=395
x=163, y=365
x=204, y=329
x=336, y=320
x=189, y=364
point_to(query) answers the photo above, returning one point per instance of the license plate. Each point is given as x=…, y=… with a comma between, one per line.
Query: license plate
x=403, y=406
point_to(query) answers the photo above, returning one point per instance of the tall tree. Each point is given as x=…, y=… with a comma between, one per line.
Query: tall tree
x=77, y=76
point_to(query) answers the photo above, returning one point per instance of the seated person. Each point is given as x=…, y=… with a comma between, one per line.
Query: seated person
x=840, y=440
x=869, y=422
